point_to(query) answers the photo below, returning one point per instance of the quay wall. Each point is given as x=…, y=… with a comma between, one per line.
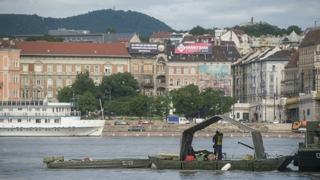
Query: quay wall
x=160, y=128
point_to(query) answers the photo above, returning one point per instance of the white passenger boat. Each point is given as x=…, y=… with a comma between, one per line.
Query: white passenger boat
x=45, y=119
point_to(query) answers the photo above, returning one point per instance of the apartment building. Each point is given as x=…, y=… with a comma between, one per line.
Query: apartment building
x=47, y=67
x=9, y=71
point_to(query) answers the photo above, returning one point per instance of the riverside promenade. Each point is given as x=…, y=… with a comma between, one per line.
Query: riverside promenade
x=163, y=129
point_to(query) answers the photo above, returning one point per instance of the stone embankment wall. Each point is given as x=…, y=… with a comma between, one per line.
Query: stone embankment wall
x=160, y=128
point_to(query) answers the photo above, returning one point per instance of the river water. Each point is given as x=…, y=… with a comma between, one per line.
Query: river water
x=21, y=157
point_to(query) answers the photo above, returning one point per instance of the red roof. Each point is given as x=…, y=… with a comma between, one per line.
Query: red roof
x=294, y=59
x=72, y=48
x=161, y=35
x=239, y=32
x=312, y=38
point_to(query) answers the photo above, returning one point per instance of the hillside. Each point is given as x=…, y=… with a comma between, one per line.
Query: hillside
x=95, y=21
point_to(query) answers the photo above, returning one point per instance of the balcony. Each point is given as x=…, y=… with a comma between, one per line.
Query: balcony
x=159, y=73
x=163, y=85
x=147, y=84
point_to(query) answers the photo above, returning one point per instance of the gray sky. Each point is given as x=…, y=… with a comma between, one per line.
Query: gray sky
x=182, y=14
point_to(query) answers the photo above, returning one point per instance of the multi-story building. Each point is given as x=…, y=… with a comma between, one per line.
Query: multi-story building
x=160, y=37
x=46, y=67
x=9, y=71
x=257, y=82
x=305, y=101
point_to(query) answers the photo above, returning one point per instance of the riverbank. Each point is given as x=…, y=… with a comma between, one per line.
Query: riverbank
x=160, y=128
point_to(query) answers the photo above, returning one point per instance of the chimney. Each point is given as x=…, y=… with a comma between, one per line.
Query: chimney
x=315, y=24
x=251, y=20
x=230, y=35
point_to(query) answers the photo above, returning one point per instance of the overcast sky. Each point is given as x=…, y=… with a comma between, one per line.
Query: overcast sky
x=182, y=14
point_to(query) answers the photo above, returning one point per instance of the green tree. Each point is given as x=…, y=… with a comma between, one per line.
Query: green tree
x=139, y=105
x=87, y=102
x=187, y=100
x=161, y=106
x=45, y=37
x=198, y=30
x=120, y=85
x=144, y=38
x=65, y=94
x=84, y=83
x=294, y=28
x=111, y=30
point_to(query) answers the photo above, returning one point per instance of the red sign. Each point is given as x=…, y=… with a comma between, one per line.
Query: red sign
x=195, y=48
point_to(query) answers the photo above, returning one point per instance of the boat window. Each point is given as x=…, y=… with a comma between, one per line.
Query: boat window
x=9, y=120
x=56, y=120
x=47, y=121
x=19, y=109
x=44, y=109
x=29, y=120
x=38, y=120
x=52, y=109
x=37, y=109
x=1, y=121
x=19, y=120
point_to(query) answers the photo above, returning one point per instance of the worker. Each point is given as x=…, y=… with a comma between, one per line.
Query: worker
x=219, y=145
x=215, y=140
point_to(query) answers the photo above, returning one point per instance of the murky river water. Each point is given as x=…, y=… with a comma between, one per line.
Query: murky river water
x=21, y=158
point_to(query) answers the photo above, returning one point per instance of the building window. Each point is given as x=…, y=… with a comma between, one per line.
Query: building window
x=185, y=70
x=178, y=70
x=120, y=69
x=15, y=78
x=308, y=112
x=171, y=70
x=19, y=120
x=38, y=120
x=49, y=68
x=59, y=68
x=25, y=68
x=96, y=69
x=59, y=82
x=185, y=82
x=147, y=68
x=49, y=82
x=69, y=68
x=135, y=68
x=193, y=81
x=171, y=82
x=25, y=93
x=193, y=70
x=107, y=70
x=238, y=115
x=68, y=82
x=87, y=68
x=38, y=82
x=15, y=93
x=159, y=68
x=49, y=94
x=178, y=82
x=16, y=63
x=78, y=68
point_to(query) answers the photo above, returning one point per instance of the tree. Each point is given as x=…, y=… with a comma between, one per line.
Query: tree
x=65, y=94
x=87, y=102
x=161, y=105
x=294, y=28
x=139, y=105
x=46, y=37
x=187, y=100
x=198, y=30
x=111, y=30
x=144, y=38
x=84, y=83
x=120, y=85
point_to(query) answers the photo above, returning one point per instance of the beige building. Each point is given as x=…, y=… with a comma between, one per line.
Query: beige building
x=47, y=67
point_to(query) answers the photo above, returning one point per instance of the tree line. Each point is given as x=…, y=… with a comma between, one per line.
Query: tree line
x=120, y=94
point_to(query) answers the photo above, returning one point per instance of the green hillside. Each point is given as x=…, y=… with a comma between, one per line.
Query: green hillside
x=95, y=21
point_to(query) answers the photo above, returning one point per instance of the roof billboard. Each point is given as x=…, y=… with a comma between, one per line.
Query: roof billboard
x=147, y=48
x=194, y=48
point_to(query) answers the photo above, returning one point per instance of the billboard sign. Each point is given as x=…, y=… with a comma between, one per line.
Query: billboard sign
x=194, y=48
x=147, y=48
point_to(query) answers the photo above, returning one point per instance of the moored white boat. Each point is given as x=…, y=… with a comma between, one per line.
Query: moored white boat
x=45, y=119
